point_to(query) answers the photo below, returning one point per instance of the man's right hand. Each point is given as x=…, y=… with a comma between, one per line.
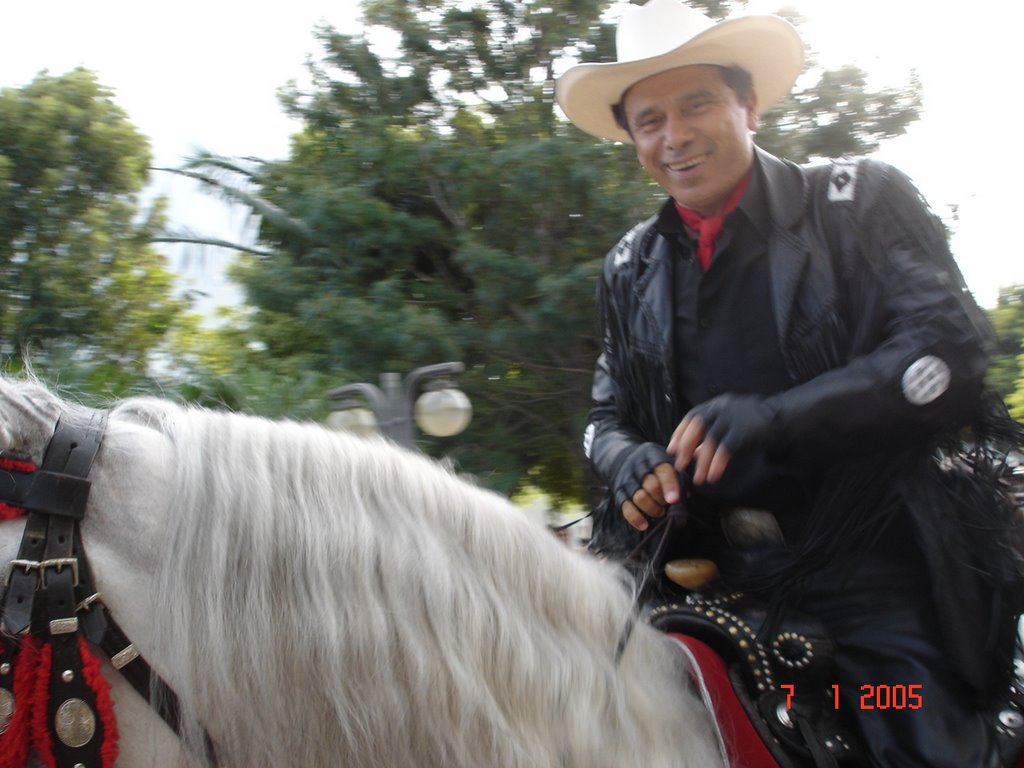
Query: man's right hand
x=660, y=489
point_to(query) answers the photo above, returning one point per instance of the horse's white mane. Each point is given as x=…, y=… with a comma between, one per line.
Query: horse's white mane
x=330, y=600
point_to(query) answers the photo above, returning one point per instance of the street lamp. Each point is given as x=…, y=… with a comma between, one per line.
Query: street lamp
x=425, y=396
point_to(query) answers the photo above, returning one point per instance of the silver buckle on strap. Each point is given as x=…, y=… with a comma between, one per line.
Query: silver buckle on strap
x=56, y=563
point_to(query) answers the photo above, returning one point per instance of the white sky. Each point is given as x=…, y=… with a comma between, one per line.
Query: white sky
x=204, y=75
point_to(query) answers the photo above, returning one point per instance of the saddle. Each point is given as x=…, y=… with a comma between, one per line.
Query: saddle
x=777, y=664
x=780, y=668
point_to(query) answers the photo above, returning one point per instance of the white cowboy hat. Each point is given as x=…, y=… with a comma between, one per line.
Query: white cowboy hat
x=647, y=42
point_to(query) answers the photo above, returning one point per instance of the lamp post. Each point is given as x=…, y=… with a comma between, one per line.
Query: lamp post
x=425, y=396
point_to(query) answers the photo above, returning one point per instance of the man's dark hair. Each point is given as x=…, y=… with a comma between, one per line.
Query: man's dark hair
x=737, y=78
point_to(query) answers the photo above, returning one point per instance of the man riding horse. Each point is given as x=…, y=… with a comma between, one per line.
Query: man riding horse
x=792, y=352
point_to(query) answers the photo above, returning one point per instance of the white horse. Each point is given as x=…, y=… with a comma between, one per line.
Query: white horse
x=317, y=599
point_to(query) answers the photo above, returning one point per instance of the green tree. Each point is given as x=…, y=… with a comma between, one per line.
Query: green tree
x=437, y=207
x=77, y=270
x=1006, y=374
x=836, y=114
x=223, y=367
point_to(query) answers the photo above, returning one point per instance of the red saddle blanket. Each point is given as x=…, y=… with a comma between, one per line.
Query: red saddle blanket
x=737, y=737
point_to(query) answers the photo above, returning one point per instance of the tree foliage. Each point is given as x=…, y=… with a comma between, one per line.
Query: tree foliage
x=1006, y=374
x=436, y=207
x=77, y=271
x=833, y=113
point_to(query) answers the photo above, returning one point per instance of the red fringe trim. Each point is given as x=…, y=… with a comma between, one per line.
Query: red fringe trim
x=17, y=465
x=30, y=723
x=40, y=701
x=8, y=511
x=14, y=742
x=105, y=708
x=32, y=684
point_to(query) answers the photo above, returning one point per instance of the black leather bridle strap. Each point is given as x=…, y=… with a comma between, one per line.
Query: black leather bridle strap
x=136, y=670
x=55, y=501
x=23, y=579
x=48, y=564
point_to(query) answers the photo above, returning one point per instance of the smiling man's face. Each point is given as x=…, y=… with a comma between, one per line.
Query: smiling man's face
x=692, y=134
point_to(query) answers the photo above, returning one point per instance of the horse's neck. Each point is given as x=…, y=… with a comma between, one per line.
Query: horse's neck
x=124, y=529
x=125, y=539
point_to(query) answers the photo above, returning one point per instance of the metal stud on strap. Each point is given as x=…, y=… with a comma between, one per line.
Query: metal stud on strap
x=64, y=626
x=124, y=657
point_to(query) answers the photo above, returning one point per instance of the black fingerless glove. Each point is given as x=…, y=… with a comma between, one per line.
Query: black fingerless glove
x=739, y=422
x=637, y=463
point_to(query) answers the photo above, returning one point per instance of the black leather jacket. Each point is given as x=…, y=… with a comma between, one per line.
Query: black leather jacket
x=863, y=288
x=885, y=349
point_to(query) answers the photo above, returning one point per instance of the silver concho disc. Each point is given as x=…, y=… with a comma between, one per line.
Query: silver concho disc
x=74, y=723
x=925, y=380
x=6, y=709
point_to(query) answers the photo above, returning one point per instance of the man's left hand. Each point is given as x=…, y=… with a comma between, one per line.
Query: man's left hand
x=714, y=431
